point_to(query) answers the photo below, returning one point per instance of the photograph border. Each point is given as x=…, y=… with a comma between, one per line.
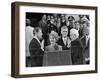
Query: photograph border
x=15, y=32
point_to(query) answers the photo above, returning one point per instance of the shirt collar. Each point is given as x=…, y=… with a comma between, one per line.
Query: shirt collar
x=37, y=39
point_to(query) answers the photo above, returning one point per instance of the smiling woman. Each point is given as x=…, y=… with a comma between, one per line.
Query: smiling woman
x=53, y=37
x=58, y=40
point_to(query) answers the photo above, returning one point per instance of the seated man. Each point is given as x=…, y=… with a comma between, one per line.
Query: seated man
x=36, y=49
x=76, y=48
x=64, y=41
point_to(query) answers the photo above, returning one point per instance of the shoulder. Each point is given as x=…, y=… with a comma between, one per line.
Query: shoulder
x=75, y=42
x=60, y=39
x=34, y=41
x=82, y=37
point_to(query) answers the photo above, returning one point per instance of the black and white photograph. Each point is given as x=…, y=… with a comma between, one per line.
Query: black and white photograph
x=57, y=39
x=51, y=39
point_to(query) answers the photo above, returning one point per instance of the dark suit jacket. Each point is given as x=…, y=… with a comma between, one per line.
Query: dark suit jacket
x=61, y=43
x=86, y=47
x=36, y=53
x=44, y=27
x=77, y=52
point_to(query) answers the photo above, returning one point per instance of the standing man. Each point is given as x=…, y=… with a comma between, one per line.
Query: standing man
x=71, y=25
x=64, y=41
x=86, y=42
x=28, y=37
x=36, y=48
x=43, y=25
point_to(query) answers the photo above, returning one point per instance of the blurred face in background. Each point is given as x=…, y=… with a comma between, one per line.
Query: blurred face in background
x=86, y=31
x=64, y=31
x=48, y=17
x=52, y=20
x=77, y=26
x=71, y=21
x=55, y=17
x=44, y=17
x=59, y=20
x=63, y=18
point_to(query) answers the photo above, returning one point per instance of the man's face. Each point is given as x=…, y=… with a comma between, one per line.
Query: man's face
x=39, y=34
x=63, y=17
x=64, y=32
x=86, y=31
x=44, y=17
x=77, y=26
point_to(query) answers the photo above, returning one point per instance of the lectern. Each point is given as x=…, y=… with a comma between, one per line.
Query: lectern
x=57, y=58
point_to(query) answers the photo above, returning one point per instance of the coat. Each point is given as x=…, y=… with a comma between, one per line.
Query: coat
x=77, y=52
x=36, y=53
x=86, y=52
x=61, y=43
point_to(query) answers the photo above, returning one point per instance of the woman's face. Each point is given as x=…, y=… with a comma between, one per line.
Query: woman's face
x=52, y=39
x=77, y=26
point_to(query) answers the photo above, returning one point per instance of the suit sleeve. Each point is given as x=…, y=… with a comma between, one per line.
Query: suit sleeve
x=35, y=50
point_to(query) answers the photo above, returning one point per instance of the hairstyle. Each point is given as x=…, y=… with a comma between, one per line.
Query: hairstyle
x=54, y=34
x=36, y=30
x=74, y=32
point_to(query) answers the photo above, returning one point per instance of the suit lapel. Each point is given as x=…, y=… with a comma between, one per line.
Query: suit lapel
x=36, y=41
x=62, y=41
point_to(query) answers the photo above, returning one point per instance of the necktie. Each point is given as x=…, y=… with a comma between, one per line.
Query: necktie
x=65, y=41
x=86, y=40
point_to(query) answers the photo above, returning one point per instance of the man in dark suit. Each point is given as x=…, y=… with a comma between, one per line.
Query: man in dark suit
x=71, y=25
x=64, y=41
x=36, y=49
x=76, y=48
x=86, y=42
x=43, y=25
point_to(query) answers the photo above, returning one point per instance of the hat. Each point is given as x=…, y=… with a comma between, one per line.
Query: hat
x=71, y=18
x=84, y=19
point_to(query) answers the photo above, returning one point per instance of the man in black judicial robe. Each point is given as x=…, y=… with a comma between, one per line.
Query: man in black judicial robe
x=76, y=48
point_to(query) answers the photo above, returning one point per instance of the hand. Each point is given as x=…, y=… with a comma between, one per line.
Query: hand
x=42, y=45
x=69, y=43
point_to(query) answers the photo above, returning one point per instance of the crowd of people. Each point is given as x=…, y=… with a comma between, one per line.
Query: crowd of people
x=56, y=32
